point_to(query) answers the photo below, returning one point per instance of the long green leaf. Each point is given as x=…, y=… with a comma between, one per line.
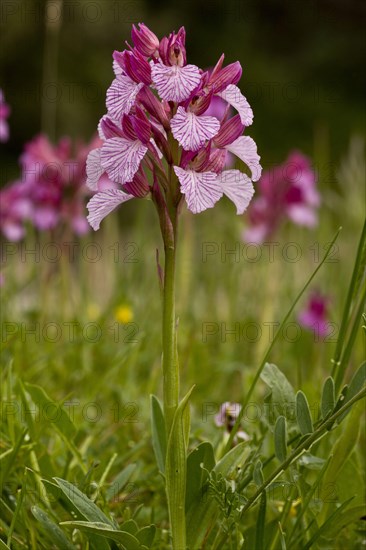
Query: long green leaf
x=158, y=432
x=81, y=503
x=261, y=522
x=324, y=527
x=352, y=290
x=128, y=541
x=52, y=530
x=280, y=438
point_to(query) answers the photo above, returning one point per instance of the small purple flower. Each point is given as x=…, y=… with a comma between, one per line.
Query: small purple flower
x=4, y=115
x=227, y=417
x=162, y=111
x=315, y=316
x=287, y=191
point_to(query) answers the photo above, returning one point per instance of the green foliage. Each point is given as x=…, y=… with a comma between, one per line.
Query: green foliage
x=72, y=482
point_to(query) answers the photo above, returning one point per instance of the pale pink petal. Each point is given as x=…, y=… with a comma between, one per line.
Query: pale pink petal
x=93, y=169
x=201, y=190
x=156, y=148
x=235, y=98
x=237, y=187
x=80, y=225
x=191, y=131
x=117, y=69
x=103, y=203
x=13, y=231
x=121, y=158
x=256, y=234
x=245, y=148
x=100, y=130
x=175, y=83
x=121, y=96
x=302, y=215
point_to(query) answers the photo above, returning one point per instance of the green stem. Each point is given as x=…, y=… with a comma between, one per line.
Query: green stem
x=170, y=356
x=176, y=474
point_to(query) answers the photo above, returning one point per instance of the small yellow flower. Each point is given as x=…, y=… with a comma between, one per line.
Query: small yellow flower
x=93, y=312
x=123, y=314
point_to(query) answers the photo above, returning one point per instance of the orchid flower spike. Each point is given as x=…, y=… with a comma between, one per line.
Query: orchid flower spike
x=162, y=125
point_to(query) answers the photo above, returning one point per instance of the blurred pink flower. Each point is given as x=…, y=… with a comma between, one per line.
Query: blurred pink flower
x=4, y=115
x=15, y=208
x=287, y=191
x=315, y=314
x=55, y=177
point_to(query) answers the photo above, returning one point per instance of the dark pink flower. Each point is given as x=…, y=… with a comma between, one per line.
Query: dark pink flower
x=315, y=314
x=4, y=115
x=287, y=191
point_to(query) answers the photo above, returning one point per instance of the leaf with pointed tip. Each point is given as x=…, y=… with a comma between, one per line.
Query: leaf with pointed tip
x=303, y=414
x=328, y=397
x=81, y=503
x=200, y=461
x=146, y=535
x=53, y=411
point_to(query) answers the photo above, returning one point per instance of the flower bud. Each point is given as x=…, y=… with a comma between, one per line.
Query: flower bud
x=221, y=79
x=145, y=41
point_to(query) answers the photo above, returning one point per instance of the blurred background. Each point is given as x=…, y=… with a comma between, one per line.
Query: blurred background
x=303, y=70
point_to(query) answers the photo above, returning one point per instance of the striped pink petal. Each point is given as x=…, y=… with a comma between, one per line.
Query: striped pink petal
x=117, y=69
x=121, y=158
x=93, y=169
x=245, y=148
x=121, y=96
x=191, y=131
x=103, y=203
x=175, y=83
x=237, y=187
x=201, y=189
x=235, y=98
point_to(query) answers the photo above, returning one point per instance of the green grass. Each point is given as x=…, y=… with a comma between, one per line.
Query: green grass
x=90, y=425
